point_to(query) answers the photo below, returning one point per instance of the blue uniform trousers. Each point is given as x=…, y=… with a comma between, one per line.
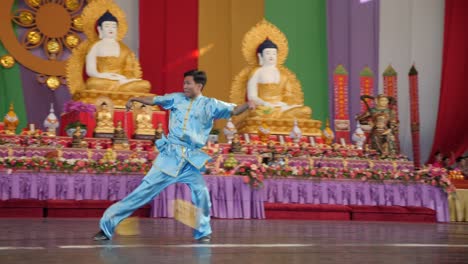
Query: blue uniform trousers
x=153, y=183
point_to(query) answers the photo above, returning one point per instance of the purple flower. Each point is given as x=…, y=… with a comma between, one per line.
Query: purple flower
x=71, y=106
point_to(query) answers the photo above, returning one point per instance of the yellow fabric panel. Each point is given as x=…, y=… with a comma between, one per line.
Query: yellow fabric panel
x=221, y=27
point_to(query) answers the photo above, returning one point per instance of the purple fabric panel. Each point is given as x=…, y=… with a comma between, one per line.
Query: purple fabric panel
x=353, y=40
x=242, y=201
x=346, y=192
x=38, y=98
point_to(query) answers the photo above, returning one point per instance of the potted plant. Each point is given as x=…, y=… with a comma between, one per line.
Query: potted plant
x=71, y=128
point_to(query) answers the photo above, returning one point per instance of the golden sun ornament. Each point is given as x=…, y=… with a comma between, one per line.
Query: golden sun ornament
x=52, y=24
x=48, y=28
x=7, y=61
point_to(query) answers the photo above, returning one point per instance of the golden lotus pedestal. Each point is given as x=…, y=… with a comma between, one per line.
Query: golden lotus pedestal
x=118, y=98
x=308, y=127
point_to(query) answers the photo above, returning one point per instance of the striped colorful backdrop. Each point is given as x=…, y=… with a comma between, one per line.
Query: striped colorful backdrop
x=172, y=36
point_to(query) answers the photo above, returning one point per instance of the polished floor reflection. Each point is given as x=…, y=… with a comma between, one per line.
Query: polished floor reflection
x=234, y=241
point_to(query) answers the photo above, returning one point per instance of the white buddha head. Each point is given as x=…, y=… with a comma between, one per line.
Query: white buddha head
x=267, y=53
x=107, y=26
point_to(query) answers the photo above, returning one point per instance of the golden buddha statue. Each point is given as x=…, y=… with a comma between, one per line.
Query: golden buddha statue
x=159, y=131
x=144, y=121
x=77, y=138
x=275, y=90
x=104, y=118
x=111, y=68
x=10, y=121
x=120, y=140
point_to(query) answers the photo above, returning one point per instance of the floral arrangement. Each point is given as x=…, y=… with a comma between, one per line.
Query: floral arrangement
x=135, y=165
x=71, y=106
x=254, y=174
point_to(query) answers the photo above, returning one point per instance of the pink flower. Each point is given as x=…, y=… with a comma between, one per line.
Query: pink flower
x=260, y=177
x=242, y=170
x=363, y=178
x=434, y=183
x=81, y=163
x=245, y=179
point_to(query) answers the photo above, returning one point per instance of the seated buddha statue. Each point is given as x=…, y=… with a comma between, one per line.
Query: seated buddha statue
x=270, y=89
x=104, y=120
x=110, y=64
x=111, y=68
x=144, y=121
x=275, y=89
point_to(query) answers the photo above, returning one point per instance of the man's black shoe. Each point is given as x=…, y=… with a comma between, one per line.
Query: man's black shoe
x=205, y=239
x=100, y=236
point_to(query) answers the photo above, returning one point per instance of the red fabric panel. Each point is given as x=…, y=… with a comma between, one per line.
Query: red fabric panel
x=90, y=122
x=452, y=121
x=298, y=215
x=168, y=42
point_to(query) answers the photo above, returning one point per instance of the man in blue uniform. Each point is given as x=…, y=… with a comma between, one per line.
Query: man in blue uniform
x=180, y=157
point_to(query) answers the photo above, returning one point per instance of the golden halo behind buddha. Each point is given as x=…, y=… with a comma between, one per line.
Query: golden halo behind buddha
x=255, y=36
x=94, y=10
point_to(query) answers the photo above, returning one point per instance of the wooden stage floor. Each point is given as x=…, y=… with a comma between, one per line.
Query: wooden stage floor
x=68, y=241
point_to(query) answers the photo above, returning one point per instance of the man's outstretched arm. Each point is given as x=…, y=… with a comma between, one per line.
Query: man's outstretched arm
x=147, y=100
x=243, y=107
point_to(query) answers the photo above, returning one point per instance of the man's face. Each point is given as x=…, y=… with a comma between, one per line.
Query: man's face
x=191, y=88
x=269, y=56
x=108, y=29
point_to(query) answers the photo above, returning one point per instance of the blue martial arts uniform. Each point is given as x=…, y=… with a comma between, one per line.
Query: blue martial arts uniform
x=180, y=159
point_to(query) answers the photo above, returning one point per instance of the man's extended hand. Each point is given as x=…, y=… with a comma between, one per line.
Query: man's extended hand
x=129, y=105
x=252, y=105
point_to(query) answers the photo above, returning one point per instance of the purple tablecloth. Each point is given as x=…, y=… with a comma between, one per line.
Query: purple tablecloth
x=353, y=192
x=231, y=198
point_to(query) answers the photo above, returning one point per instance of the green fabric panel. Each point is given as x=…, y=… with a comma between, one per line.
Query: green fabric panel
x=305, y=25
x=11, y=91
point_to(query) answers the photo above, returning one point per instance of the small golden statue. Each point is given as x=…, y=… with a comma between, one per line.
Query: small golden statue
x=384, y=124
x=104, y=118
x=144, y=121
x=159, y=131
x=275, y=90
x=77, y=138
x=264, y=133
x=328, y=134
x=236, y=145
x=112, y=68
x=109, y=156
x=11, y=121
x=120, y=140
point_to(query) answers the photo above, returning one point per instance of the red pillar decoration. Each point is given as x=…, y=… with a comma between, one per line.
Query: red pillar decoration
x=340, y=89
x=390, y=84
x=414, y=108
x=391, y=89
x=366, y=82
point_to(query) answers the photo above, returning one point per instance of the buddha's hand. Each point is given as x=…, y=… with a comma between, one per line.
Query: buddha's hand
x=111, y=76
x=125, y=80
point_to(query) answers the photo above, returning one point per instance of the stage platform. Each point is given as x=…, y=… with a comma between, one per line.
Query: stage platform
x=234, y=241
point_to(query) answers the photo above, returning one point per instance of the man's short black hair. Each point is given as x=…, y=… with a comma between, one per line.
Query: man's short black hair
x=198, y=76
